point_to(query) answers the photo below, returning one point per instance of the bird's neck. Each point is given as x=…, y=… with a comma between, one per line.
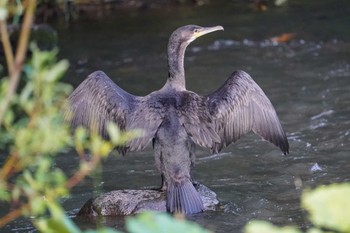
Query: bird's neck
x=176, y=54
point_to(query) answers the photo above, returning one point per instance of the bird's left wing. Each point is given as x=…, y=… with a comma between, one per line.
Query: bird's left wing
x=98, y=100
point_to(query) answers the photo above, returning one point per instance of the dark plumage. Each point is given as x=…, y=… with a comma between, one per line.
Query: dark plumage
x=175, y=119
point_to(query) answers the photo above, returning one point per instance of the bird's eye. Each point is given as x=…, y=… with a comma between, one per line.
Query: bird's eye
x=196, y=30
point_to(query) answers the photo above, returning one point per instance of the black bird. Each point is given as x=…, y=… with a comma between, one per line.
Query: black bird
x=176, y=119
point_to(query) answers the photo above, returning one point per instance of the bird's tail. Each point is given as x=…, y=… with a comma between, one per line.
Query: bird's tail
x=182, y=197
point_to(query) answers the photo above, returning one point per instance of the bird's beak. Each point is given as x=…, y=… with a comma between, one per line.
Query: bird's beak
x=205, y=30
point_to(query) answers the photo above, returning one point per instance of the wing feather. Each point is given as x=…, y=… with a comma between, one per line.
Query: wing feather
x=98, y=100
x=196, y=119
x=240, y=106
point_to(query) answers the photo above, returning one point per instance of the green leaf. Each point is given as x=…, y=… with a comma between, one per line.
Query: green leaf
x=57, y=225
x=9, y=118
x=26, y=92
x=38, y=205
x=80, y=135
x=315, y=230
x=257, y=226
x=3, y=13
x=16, y=193
x=57, y=71
x=103, y=230
x=150, y=222
x=63, y=225
x=4, y=193
x=329, y=206
x=114, y=132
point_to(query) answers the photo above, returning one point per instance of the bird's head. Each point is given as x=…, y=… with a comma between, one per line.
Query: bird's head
x=189, y=33
x=178, y=42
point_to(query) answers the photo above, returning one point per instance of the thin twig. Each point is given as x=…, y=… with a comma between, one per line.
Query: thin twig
x=13, y=215
x=83, y=172
x=9, y=166
x=5, y=39
x=25, y=34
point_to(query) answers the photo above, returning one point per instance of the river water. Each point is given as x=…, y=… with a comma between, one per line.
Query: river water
x=307, y=79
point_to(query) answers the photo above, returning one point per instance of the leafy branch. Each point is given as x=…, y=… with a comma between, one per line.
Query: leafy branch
x=28, y=178
x=15, y=62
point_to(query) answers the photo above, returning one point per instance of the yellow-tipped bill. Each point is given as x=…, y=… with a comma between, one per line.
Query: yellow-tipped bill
x=205, y=30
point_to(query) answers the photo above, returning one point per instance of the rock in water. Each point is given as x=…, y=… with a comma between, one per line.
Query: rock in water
x=127, y=202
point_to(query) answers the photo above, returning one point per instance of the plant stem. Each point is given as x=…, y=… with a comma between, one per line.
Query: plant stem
x=9, y=166
x=19, y=58
x=5, y=39
x=83, y=172
x=13, y=215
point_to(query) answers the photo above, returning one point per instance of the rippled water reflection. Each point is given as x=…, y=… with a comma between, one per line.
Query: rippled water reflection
x=307, y=80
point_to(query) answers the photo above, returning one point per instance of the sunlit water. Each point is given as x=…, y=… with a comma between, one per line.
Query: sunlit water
x=307, y=79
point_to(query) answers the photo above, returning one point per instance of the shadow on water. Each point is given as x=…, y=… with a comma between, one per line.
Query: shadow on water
x=307, y=79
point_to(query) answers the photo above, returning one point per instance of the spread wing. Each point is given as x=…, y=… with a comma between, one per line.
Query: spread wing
x=240, y=106
x=98, y=100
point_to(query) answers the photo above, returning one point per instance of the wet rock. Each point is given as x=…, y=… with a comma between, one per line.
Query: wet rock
x=127, y=202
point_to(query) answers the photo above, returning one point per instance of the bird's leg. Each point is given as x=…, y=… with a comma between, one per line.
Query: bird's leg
x=163, y=186
x=194, y=182
x=192, y=150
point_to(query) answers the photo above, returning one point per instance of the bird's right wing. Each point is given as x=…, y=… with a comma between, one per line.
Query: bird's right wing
x=98, y=100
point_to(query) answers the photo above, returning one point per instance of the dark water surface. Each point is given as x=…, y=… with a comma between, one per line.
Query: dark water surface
x=307, y=79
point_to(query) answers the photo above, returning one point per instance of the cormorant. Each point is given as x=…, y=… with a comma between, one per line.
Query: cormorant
x=176, y=119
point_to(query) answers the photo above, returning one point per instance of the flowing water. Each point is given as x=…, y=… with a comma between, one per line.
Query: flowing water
x=307, y=79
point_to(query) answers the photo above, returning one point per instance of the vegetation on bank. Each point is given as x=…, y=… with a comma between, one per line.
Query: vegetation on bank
x=33, y=133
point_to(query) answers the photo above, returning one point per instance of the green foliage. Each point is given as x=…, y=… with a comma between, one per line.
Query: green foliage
x=34, y=139
x=42, y=100
x=149, y=222
x=328, y=208
x=266, y=227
